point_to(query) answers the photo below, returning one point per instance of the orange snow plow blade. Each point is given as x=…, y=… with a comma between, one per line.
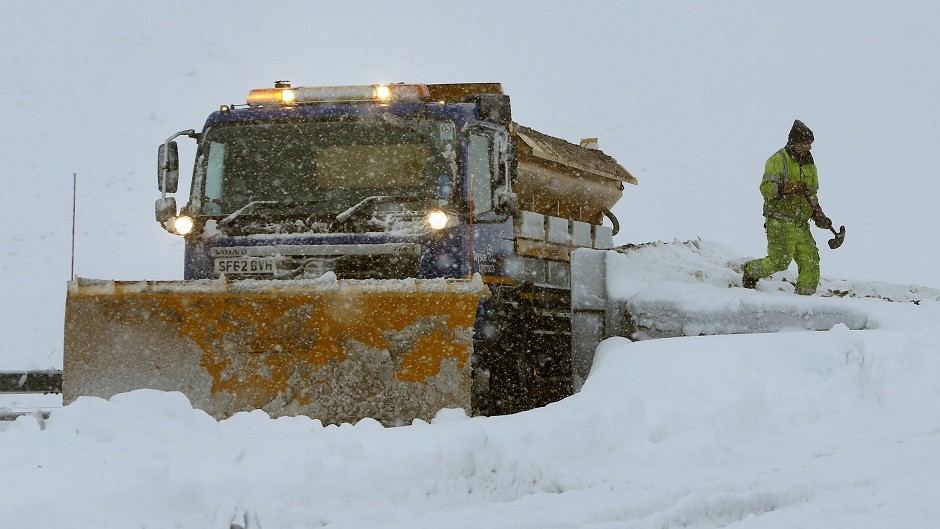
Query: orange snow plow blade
x=337, y=351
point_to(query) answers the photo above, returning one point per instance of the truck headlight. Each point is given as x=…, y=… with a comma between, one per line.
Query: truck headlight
x=437, y=219
x=182, y=225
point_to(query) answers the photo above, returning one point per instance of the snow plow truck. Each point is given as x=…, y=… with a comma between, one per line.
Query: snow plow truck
x=378, y=251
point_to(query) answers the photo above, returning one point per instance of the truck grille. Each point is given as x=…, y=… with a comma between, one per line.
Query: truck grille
x=355, y=266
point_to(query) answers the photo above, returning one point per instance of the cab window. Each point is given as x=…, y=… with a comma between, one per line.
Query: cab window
x=480, y=169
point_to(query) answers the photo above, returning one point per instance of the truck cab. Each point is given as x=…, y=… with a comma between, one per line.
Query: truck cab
x=369, y=182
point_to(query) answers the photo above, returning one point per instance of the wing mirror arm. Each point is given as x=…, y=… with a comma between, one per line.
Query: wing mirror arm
x=168, y=163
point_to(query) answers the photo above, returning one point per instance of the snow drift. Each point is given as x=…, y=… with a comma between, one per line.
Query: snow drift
x=834, y=428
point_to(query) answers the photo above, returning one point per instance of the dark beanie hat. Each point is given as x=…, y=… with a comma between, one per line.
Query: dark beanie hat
x=800, y=132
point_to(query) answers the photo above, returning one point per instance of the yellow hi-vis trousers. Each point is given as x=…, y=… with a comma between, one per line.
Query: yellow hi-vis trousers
x=786, y=242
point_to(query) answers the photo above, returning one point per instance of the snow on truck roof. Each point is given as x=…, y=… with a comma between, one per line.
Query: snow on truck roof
x=537, y=146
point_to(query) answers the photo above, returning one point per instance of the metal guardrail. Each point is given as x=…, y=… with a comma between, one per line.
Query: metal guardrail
x=26, y=382
x=7, y=416
x=46, y=381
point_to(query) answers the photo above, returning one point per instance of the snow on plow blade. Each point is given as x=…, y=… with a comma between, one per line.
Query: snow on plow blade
x=335, y=350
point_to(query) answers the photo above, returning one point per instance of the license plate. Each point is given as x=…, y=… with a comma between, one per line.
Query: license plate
x=244, y=265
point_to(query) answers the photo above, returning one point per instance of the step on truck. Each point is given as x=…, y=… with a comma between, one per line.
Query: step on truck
x=378, y=251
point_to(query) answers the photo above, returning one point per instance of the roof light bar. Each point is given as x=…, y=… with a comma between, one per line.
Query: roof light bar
x=271, y=96
x=382, y=92
x=320, y=94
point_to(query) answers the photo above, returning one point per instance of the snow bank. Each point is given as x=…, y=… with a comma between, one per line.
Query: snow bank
x=789, y=429
x=693, y=288
x=835, y=428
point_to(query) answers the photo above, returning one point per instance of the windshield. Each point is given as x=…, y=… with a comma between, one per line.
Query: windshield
x=327, y=166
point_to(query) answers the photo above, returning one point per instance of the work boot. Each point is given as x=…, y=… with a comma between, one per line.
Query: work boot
x=748, y=282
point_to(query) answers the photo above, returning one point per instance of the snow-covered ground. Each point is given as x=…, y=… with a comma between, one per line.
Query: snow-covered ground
x=837, y=428
x=683, y=289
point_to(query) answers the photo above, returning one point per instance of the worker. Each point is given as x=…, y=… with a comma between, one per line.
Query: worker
x=789, y=188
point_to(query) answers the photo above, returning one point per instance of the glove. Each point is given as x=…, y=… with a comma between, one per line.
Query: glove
x=794, y=188
x=821, y=220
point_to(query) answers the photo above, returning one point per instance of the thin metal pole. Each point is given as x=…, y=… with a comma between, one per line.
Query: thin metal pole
x=74, y=193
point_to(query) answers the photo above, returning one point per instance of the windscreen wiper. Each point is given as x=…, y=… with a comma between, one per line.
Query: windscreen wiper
x=244, y=209
x=365, y=203
x=288, y=203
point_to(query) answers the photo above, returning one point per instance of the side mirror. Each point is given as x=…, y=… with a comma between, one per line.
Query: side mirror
x=165, y=209
x=168, y=167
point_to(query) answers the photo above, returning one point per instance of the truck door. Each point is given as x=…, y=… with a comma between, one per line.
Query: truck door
x=490, y=168
x=480, y=172
x=491, y=242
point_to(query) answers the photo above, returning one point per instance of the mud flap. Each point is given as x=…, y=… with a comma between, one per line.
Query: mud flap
x=335, y=350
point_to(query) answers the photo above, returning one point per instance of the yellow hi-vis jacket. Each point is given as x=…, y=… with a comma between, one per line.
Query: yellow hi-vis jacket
x=779, y=169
